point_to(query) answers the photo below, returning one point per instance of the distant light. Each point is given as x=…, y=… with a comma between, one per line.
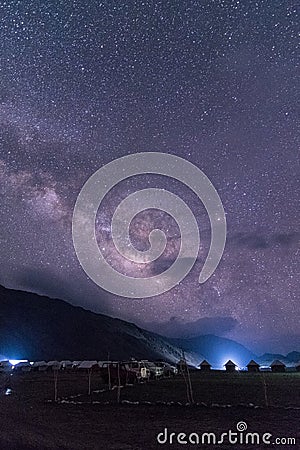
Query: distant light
x=14, y=362
x=8, y=391
x=233, y=359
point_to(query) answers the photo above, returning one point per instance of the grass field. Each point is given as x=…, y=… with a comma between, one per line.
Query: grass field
x=29, y=419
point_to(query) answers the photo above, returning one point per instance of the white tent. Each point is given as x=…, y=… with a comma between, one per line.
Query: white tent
x=54, y=365
x=5, y=366
x=88, y=365
x=66, y=364
x=22, y=366
x=41, y=366
x=75, y=364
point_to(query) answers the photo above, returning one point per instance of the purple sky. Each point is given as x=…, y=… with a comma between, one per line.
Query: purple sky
x=214, y=82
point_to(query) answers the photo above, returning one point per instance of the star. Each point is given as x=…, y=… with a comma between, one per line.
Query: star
x=206, y=82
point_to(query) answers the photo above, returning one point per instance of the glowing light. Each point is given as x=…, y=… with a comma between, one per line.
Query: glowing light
x=14, y=362
x=231, y=358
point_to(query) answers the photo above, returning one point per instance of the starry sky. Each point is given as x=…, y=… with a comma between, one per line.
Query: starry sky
x=212, y=81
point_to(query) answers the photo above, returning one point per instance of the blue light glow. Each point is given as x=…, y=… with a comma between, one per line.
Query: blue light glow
x=14, y=362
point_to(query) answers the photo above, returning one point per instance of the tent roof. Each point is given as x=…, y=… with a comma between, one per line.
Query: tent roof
x=22, y=364
x=230, y=363
x=277, y=363
x=205, y=363
x=87, y=364
x=252, y=363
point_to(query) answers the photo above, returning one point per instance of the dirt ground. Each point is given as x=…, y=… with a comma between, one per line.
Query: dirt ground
x=29, y=419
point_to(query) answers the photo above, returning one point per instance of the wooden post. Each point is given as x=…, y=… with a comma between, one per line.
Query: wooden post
x=183, y=370
x=55, y=375
x=187, y=379
x=108, y=372
x=89, y=376
x=119, y=384
x=265, y=390
x=190, y=385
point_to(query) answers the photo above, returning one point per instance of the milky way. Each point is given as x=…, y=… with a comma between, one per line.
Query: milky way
x=214, y=82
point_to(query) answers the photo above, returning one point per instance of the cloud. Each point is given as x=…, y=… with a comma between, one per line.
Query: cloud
x=162, y=264
x=44, y=282
x=286, y=238
x=255, y=241
x=178, y=328
x=66, y=286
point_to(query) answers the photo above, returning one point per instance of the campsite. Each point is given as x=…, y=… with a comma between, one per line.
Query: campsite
x=87, y=414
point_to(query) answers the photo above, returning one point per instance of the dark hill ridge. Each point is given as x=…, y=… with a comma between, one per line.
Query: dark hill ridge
x=293, y=356
x=37, y=327
x=289, y=360
x=216, y=350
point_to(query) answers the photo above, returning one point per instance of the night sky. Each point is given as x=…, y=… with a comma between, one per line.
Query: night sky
x=215, y=82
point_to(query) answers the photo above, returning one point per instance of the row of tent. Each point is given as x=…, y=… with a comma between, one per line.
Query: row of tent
x=143, y=368
x=43, y=366
x=252, y=366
